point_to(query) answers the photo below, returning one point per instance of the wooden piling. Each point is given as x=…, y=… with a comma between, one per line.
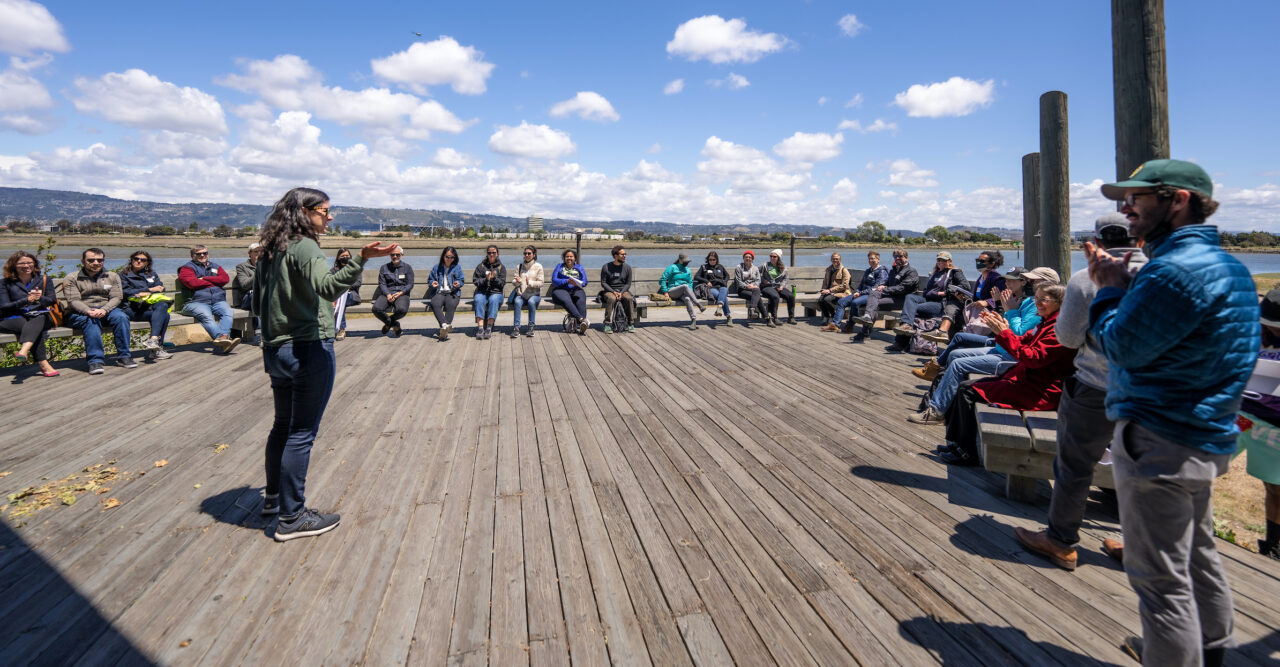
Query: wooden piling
x=1031, y=209
x=1055, y=205
x=1140, y=85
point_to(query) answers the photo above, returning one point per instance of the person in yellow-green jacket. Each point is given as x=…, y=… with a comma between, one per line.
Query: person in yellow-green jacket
x=293, y=293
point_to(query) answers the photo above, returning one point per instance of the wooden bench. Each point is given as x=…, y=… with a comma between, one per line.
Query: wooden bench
x=1022, y=445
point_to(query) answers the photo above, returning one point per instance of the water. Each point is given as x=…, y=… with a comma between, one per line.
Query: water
x=167, y=260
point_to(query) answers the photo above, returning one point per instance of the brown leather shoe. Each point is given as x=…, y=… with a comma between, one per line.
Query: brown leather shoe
x=928, y=371
x=830, y=327
x=1040, y=542
x=1114, y=549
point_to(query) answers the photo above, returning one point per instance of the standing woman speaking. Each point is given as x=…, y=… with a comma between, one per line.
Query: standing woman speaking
x=292, y=293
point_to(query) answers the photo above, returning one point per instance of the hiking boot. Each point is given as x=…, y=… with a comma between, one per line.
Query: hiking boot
x=270, y=504
x=395, y=328
x=386, y=328
x=159, y=354
x=928, y=372
x=1114, y=549
x=904, y=329
x=728, y=321
x=608, y=328
x=583, y=325
x=309, y=522
x=342, y=333
x=1041, y=543
x=443, y=333
x=859, y=337
x=926, y=416
x=95, y=368
x=771, y=322
x=829, y=328
x=693, y=326
x=126, y=361
x=940, y=337
x=152, y=343
x=848, y=327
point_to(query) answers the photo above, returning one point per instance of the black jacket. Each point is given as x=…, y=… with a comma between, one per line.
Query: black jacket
x=903, y=280
x=489, y=285
x=395, y=279
x=717, y=276
x=13, y=298
x=614, y=278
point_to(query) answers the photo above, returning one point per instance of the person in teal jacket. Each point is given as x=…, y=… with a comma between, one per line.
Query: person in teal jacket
x=293, y=293
x=1181, y=337
x=677, y=283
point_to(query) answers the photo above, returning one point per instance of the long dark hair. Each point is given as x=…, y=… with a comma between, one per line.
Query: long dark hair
x=450, y=249
x=288, y=220
x=128, y=267
x=711, y=254
x=485, y=261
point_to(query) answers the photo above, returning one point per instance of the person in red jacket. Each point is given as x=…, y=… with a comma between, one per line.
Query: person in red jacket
x=203, y=285
x=1035, y=383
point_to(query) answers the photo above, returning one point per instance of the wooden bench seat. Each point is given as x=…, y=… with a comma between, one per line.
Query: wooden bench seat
x=1022, y=445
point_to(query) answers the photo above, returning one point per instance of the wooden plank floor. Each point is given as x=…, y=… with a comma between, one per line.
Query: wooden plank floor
x=666, y=497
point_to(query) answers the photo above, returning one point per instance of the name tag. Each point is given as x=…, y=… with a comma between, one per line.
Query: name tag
x=151, y=280
x=401, y=276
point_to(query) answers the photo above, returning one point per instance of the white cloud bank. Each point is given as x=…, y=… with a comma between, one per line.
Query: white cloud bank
x=137, y=99
x=954, y=97
x=714, y=39
x=27, y=28
x=588, y=105
x=443, y=61
x=806, y=149
x=531, y=141
x=905, y=173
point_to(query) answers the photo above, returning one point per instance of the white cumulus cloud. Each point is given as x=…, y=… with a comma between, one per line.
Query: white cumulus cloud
x=588, y=105
x=138, y=99
x=845, y=190
x=954, y=97
x=732, y=82
x=878, y=126
x=854, y=102
x=747, y=169
x=808, y=148
x=436, y=63
x=532, y=141
x=27, y=28
x=905, y=173
x=719, y=41
x=850, y=25
x=19, y=90
x=453, y=159
x=673, y=87
x=279, y=82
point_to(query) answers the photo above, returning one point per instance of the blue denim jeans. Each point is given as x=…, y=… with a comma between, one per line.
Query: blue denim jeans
x=847, y=301
x=720, y=295
x=215, y=318
x=116, y=320
x=487, y=305
x=962, y=341
x=518, y=303
x=916, y=305
x=301, y=381
x=958, y=371
x=157, y=314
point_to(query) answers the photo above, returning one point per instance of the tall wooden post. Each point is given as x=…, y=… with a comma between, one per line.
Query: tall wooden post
x=577, y=246
x=793, y=249
x=1031, y=209
x=1055, y=206
x=1139, y=80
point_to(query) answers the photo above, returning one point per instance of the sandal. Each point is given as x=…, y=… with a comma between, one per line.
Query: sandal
x=50, y=374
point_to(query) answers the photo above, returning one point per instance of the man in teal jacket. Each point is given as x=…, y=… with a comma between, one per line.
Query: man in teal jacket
x=1181, y=339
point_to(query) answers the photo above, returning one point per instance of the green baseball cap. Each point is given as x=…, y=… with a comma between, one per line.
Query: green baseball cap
x=1177, y=173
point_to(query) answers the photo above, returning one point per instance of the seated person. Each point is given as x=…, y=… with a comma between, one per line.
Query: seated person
x=615, y=283
x=903, y=280
x=93, y=301
x=527, y=290
x=713, y=279
x=835, y=286
x=242, y=284
x=444, y=290
x=203, y=286
x=1034, y=383
x=677, y=282
x=395, y=282
x=567, y=282
x=938, y=299
x=775, y=287
x=1260, y=426
x=352, y=295
x=746, y=280
x=26, y=295
x=489, y=278
x=875, y=276
x=145, y=300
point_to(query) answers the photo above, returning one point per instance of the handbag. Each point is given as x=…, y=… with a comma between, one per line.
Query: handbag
x=973, y=321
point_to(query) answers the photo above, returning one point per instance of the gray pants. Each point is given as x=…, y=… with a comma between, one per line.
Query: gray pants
x=1165, y=491
x=1084, y=432
x=682, y=293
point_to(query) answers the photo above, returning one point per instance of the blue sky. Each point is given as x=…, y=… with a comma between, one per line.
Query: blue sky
x=769, y=112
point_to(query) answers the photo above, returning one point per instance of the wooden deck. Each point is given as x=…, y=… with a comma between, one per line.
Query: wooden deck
x=665, y=497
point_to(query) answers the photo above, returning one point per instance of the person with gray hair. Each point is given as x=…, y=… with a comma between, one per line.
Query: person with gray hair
x=1084, y=432
x=203, y=287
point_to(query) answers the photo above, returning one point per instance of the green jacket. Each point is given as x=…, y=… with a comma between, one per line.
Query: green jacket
x=293, y=293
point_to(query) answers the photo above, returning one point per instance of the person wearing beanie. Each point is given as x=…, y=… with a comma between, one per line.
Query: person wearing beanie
x=677, y=283
x=1260, y=422
x=774, y=287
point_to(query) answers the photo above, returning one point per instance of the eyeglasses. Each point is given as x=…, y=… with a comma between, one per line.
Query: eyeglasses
x=446, y=256
x=139, y=259
x=1046, y=299
x=1132, y=197
x=492, y=252
x=397, y=254
x=322, y=210
x=91, y=260
x=527, y=252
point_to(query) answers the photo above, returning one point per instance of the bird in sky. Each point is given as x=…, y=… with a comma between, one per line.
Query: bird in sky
x=418, y=34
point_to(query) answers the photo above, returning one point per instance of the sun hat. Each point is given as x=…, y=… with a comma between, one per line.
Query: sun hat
x=1043, y=273
x=1152, y=173
x=944, y=255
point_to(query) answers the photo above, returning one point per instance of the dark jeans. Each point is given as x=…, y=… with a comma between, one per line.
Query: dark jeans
x=301, y=381
x=443, y=305
x=115, y=319
x=628, y=302
x=916, y=305
x=753, y=300
x=962, y=419
x=574, y=301
x=827, y=305
x=380, y=305
x=772, y=295
x=30, y=330
x=873, y=307
x=155, y=313
x=1084, y=433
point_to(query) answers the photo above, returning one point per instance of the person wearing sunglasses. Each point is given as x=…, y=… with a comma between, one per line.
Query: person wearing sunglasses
x=615, y=284
x=567, y=282
x=93, y=297
x=526, y=292
x=146, y=301
x=444, y=286
x=395, y=282
x=203, y=287
x=489, y=278
x=26, y=297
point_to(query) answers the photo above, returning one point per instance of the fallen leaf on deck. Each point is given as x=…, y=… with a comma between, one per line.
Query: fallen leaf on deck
x=6, y=473
x=67, y=498
x=197, y=486
x=185, y=644
x=110, y=503
x=218, y=449
x=161, y=463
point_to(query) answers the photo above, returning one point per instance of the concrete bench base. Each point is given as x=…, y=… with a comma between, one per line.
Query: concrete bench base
x=1022, y=445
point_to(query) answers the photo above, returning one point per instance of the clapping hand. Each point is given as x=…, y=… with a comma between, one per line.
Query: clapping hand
x=995, y=321
x=1007, y=299
x=1105, y=270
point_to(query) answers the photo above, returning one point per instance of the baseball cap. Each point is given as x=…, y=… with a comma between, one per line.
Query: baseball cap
x=1111, y=220
x=682, y=259
x=1271, y=308
x=1177, y=173
x=1016, y=272
x=944, y=255
x=1043, y=273
x=255, y=245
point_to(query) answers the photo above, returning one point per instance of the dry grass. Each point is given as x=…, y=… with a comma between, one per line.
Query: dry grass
x=1266, y=281
x=1238, y=505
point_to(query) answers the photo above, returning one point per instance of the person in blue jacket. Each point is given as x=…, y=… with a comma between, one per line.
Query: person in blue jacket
x=1181, y=337
x=145, y=300
x=444, y=290
x=567, y=282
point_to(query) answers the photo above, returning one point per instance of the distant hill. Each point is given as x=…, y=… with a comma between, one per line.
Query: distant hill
x=48, y=206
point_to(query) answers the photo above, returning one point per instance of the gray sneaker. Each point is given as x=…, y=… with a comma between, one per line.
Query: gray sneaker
x=160, y=354
x=926, y=416
x=95, y=368
x=309, y=522
x=126, y=361
x=152, y=343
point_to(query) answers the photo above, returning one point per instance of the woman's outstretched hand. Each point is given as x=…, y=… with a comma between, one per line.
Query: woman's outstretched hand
x=371, y=250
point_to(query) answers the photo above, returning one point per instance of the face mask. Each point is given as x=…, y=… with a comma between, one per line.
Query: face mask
x=342, y=261
x=979, y=263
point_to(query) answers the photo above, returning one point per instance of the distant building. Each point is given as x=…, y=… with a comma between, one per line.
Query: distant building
x=535, y=224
